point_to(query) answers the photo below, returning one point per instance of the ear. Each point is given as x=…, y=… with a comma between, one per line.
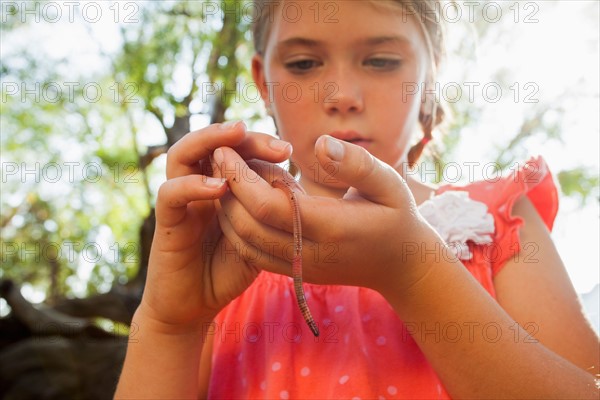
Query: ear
x=258, y=74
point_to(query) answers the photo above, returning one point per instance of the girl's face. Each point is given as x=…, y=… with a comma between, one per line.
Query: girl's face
x=347, y=69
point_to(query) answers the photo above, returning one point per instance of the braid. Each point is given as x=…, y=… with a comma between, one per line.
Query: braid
x=427, y=122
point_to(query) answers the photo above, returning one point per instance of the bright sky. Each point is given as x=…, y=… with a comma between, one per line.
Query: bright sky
x=557, y=53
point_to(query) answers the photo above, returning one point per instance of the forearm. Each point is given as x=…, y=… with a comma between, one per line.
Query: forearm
x=475, y=347
x=160, y=362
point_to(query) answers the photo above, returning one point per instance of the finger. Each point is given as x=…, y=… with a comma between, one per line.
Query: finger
x=271, y=172
x=175, y=194
x=261, y=249
x=272, y=206
x=272, y=249
x=264, y=169
x=247, y=229
x=265, y=147
x=259, y=198
x=256, y=214
x=185, y=156
x=371, y=178
x=249, y=185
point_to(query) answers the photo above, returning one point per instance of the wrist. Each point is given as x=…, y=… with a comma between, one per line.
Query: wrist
x=163, y=359
x=145, y=317
x=414, y=261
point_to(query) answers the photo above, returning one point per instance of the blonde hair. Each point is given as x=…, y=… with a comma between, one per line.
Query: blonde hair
x=428, y=15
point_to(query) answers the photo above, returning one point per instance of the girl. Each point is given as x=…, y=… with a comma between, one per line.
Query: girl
x=406, y=307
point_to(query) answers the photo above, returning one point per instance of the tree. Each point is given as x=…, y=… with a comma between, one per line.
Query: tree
x=82, y=149
x=91, y=331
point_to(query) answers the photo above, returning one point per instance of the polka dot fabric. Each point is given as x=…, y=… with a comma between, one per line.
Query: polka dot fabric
x=263, y=348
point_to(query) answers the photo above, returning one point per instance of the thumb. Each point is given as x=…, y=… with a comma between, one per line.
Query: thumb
x=368, y=176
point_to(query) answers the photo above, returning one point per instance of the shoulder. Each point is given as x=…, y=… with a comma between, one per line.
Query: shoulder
x=532, y=178
x=527, y=195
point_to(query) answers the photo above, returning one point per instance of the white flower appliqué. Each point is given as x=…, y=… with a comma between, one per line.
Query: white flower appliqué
x=459, y=219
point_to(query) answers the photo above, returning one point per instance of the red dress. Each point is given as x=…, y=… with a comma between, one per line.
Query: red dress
x=263, y=348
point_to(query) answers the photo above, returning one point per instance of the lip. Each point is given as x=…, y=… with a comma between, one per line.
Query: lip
x=352, y=137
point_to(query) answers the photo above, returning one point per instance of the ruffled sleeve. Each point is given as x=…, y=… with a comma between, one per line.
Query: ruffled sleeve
x=532, y=178
x=535, y=180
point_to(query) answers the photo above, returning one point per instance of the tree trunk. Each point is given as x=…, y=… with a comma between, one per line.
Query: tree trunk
x=58, y=351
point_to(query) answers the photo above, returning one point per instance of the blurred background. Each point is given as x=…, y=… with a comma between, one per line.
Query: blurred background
x=94, y=94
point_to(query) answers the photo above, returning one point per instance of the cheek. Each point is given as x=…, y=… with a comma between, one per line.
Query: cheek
x=293, y=105
x=397, y=110
x=400, y=117
x=291, y=119
x=292, y=97
x=404, y=97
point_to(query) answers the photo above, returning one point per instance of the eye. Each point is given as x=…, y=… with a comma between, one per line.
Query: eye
x=383, y=63
x=301, y=65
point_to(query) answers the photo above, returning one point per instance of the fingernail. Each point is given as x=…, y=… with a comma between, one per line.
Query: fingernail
x=218, y=156
x=279, y=145
x=209, y=181
x=231, y=125
x=334, y=149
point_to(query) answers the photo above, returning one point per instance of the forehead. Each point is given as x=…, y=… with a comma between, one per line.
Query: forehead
x=343, y=22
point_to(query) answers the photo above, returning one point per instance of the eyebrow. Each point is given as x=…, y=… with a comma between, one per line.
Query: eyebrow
x=372, y=41
x=299, y=41
x=387, y=39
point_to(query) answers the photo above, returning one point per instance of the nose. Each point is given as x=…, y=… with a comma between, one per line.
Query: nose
x=343, y=93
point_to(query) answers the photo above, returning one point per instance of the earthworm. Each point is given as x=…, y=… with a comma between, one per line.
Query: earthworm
x=297, y=260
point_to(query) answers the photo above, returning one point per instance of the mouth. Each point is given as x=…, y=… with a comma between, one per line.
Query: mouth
x=352, y=137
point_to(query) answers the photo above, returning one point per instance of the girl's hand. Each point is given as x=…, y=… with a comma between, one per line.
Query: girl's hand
x=360, y=239
x=193, y=272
